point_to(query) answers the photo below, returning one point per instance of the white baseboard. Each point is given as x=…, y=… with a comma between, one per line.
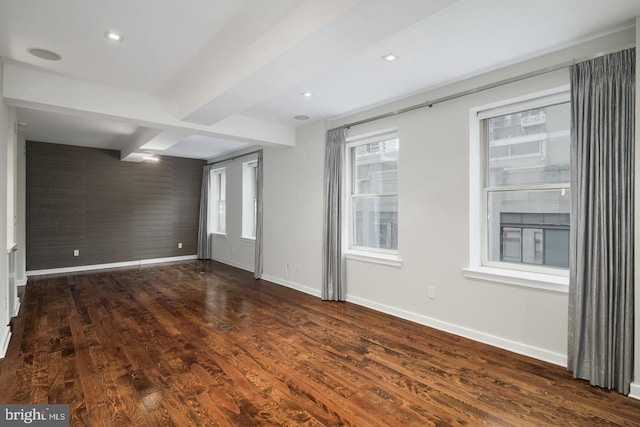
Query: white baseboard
x=109, y=265
x=292, y=285
x=5, y=337
x=249, y=268
x=635, y=390
x=513, y=346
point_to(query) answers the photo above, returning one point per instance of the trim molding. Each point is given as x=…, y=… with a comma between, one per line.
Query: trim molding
x=513, y=346
x=4, y=341
x=292, y=285
x=109, y=265
x=635, y=390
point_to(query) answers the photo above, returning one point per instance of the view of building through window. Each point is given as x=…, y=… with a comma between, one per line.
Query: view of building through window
x=527, y=187
x=374, y=195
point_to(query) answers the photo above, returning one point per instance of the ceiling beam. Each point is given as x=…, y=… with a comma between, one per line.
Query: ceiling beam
x=29, y=88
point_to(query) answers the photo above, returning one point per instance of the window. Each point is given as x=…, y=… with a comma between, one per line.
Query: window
x=218, y=208
x=373, y=207
x=526, y=185
x=249, y=199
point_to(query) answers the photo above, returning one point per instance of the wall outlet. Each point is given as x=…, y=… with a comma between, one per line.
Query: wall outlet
x=432, y=292
x=76, y=252
x=179, y=245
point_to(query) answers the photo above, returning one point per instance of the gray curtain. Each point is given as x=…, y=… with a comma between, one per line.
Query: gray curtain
x=333, y=283
x=257, y=271
x=600, y=347
x=204, y=243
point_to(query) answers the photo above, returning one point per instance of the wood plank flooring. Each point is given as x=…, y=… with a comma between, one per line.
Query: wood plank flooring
x=199, y=343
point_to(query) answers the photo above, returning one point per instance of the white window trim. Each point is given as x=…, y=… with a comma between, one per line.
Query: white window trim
x=359, y=253
x=392, y=260
x=551, y=279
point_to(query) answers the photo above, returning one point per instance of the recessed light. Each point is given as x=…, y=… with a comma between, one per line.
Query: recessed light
x=113, y=36
x=307, y=94
x=389, y=57
x=301, y=117
x=44, y=54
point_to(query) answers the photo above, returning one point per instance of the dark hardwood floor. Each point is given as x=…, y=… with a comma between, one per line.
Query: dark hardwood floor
x=201, y=343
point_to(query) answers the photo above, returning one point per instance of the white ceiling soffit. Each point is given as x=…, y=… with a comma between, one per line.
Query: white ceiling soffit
x=198, y=78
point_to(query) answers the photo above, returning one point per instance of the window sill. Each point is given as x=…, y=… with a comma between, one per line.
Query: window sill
x=248, y=239
x=375, y=258
x=219, y=235
x=527, y=279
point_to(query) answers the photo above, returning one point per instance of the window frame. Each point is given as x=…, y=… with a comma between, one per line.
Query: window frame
x=217, y=193
x=480, y=267
x=365, y=253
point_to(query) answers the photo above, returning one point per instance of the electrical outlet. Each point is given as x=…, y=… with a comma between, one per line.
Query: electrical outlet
x=76, y=252
x=179, y=245
x=432, y=292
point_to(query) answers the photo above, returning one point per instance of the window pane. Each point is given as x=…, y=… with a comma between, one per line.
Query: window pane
x=511, y=244
x=375, y=167
x=375, y=222
x=529, y=226
x=222, y=221
x=529, y=147
x=556, y=248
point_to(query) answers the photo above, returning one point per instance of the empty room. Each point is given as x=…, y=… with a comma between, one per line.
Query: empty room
x=319, y=213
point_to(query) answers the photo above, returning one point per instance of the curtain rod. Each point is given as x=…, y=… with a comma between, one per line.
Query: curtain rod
x=235, y=157
x=499, y=83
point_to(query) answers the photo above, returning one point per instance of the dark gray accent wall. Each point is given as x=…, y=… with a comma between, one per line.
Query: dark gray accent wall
x=110, y=210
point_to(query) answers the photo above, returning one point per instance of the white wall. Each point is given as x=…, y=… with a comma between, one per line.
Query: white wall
x=232, y=249
x=6, y=127
x=293, y=187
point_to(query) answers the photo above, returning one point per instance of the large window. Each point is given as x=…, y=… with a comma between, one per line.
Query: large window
x=373, y=175
x=249, y=199
x=218, y=208
x=526, y=188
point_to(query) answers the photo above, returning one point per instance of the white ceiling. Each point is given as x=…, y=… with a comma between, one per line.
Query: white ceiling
x=198, y=78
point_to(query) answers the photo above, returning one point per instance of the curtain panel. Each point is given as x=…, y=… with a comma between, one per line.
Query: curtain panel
x=204, y=242
x=333, y=283
x=600, y=336
x=258, y=261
